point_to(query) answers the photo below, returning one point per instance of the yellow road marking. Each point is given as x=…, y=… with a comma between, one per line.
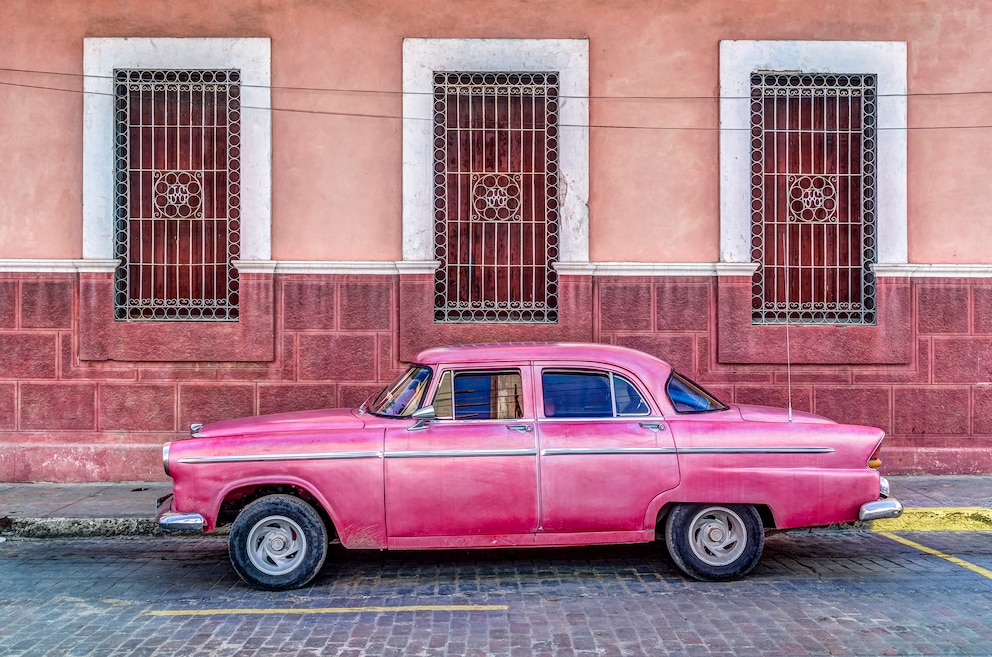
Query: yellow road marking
x=326, y=610
x=984, y=572
x=934, y=519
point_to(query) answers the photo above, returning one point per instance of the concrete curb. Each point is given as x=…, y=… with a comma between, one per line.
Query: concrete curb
x=81, y=527
x=40, y=528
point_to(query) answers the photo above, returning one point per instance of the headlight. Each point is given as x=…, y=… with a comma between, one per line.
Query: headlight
x=165, y=458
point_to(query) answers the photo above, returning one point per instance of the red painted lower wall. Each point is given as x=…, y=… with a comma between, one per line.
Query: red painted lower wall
x=83, y=398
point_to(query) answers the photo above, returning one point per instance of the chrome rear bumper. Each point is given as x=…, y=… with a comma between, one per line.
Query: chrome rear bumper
x=881, y=509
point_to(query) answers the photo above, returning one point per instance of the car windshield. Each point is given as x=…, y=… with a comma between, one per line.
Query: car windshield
x=687, y=397
x=403, y=396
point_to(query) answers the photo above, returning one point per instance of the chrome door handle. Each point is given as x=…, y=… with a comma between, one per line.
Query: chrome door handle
x=522, y=428
x=653, y=426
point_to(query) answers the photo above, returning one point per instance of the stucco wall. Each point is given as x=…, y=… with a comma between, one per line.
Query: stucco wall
x=334, y=312
x=336, y=169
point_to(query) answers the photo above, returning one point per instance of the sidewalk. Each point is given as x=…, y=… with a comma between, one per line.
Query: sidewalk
x=80, y=510
x=945, y=502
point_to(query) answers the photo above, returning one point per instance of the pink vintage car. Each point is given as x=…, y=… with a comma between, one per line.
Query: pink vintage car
x=490, y=446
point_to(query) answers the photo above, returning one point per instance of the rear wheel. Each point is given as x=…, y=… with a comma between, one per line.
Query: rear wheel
x=714, y=542
x=278, y=542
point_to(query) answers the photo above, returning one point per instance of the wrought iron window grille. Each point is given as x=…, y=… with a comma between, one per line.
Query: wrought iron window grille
x=177, y=194
x=813, y=198
x=496, y=186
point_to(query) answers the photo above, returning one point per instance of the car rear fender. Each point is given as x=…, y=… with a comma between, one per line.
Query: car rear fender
x=767, y=516
x=791, y=499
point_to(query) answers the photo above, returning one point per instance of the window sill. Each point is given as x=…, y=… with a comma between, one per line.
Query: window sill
x=887, y=342
x=101, y=338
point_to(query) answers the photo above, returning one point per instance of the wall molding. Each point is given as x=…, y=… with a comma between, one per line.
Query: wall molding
x=404, y=267
x=422, y=57
x=886, y=59
x=912, y=270
x=252, y=56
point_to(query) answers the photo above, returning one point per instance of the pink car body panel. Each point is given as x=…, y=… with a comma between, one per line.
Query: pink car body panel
x=534, y=480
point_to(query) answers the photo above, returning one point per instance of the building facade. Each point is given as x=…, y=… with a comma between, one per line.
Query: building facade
x=235, y=208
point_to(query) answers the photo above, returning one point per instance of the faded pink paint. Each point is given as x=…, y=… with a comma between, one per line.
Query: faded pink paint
x=463, y=483
x=65, y=366
x=716, y=477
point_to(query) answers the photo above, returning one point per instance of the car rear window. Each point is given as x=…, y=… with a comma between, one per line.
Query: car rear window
x=688, y=397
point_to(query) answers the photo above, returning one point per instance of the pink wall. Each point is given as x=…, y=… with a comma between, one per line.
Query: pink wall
x=653, y=67
x=337, y=338
x=85, y=399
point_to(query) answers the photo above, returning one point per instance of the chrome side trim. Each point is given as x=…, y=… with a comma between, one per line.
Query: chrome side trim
x=331, y=456
x=879, y=509
x=165, y=458
x=756, y=450
x=247, y=458
x=460, y=453
x=618, y=419
x=175, y=521
x=560, y=451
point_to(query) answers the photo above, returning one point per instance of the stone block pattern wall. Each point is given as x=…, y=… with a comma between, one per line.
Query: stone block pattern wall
x=65, y=416
x=936, y=407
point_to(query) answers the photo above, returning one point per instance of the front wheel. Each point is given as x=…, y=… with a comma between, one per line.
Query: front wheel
x=714, y=542
x=278, y=542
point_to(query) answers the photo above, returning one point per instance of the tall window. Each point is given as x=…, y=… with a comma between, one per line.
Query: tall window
x=813, y=197
x=178, y=191
x=496, y=181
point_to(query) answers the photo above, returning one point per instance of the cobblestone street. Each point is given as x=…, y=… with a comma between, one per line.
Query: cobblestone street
x=823, y=593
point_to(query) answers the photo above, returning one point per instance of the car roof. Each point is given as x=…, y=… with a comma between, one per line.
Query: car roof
x=531, y=351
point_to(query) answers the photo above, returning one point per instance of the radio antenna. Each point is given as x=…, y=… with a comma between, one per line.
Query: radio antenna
x=788, y=342
x=788, y=359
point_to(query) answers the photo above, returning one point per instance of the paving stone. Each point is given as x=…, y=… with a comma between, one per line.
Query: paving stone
x=820, y=593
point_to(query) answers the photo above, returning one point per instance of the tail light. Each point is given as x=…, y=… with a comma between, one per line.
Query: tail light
x=875, y=461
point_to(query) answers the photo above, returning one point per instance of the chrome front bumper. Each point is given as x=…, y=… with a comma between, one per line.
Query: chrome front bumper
x=176, y=520
x=884, y=508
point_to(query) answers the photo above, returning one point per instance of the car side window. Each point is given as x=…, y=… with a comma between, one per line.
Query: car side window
x=629, y=400
x=474, y=395
x=590, y=395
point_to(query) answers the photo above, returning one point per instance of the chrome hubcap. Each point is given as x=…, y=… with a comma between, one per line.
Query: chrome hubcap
x=276, y=545
x=717, y=536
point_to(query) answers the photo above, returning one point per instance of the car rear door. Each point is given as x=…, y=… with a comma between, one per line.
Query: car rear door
x=605, y=450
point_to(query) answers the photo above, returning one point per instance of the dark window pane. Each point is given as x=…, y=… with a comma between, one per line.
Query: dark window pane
x=486, y=396
x=629, y=400
x=577, y=394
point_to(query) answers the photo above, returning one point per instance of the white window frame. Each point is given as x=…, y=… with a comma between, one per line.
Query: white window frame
x=885, y=59
x=252, y=56
x=421, y=58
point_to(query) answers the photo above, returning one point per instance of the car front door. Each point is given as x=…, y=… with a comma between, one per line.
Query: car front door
x=606, y=452
x=472, y=471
